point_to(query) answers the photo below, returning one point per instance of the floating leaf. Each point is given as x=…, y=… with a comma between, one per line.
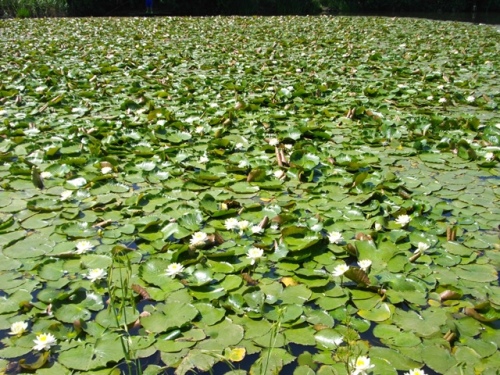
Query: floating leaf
x=380, y=313
x=173, y=315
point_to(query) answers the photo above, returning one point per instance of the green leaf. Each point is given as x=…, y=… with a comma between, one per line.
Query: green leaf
x=172, y=315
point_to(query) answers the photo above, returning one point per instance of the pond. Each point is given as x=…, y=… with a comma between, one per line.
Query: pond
x=306, y=195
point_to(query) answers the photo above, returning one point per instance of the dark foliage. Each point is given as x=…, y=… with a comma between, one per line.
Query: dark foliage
x=440, y=6
x=248, y=7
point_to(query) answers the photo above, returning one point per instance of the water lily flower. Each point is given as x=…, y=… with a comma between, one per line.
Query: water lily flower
x=44, y=341
x=340, y=269
x=46, y=175
x=239, y=146
x=415, y=371
x=77, y=182
x=273, y=141
x=279, y=173
x=31, y=131
x=489, y=156
x=403, y=220
x=96, y=274
x=365, y=264
x=83, y=246
x=421, y=247
x=144, y=143
x=162, y=175
x=147, y=166
x=66, y=194
x=243, y=163
x=106, y=170
x=199, y=129
x=243, y=225
x=18, y=328
x=204, y=159
x=335, y=237
x=378, y=227
x=174, y=269
x=198, y=239
x=430, y=97
x=256, y=229
x=231, y=223
x=361, y=365
x=254, y=253
x=471, y=99
x=442, y=100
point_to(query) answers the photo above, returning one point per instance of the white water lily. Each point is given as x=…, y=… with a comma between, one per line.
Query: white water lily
x=146, y=166
x=243, y=225
x=256, y=229
x=96, y=274
x=231, y=223
x=340, y=269
x=162, y=175
x=254, y=253
x=361, y=365
x=18, y=328
x=273, y=141
x=421, y=247
x=198, y=239
x=204, y=159
x=106, y=170
x=83, y=246
x=335, y=237
x=489, y=156
x=243, y=163
x=442, y=100
x=46, y=175
x=174, y=269
x=31, y=131
x=471, y=99
x=77, y=182
x=365, y=264
x=415, y=371
x=279, y=174
x=430, y=97
x=44, y=341
x=403, y=220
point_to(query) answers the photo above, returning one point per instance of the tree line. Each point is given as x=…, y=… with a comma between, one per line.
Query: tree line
x=54, y=8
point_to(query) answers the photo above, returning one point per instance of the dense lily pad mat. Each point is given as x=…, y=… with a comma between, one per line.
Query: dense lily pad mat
x=203, y=190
